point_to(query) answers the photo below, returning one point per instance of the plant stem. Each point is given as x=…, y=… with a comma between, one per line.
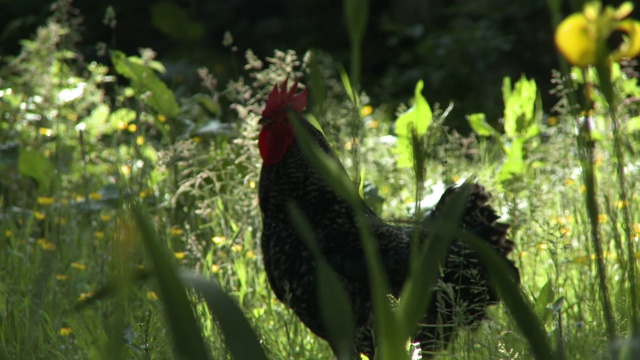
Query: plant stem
x=586, y=148
x=606, y=86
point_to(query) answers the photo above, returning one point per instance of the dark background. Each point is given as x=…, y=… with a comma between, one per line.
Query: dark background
x=461, y=48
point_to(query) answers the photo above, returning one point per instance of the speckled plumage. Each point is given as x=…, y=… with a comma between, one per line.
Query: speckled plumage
x=462, y=294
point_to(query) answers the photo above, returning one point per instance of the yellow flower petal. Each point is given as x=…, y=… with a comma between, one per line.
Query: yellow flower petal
x=630, y=46
x=175, y=231
x=45, y=200
x=218, y=240
x=179, y=255
x=78, y=266
x=576, y=40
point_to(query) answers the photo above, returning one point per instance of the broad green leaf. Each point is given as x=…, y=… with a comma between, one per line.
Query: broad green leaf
x=478, y=123
x=632, y=125
x=144, y=79
x=122, y=115
x=174, y=21
x=545, y=297
x=519, y=106
x=514, y=165
x=96, y=123
x=35, y=165
x=419, y=116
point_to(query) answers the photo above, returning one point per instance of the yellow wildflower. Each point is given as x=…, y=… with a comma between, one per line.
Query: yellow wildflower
x=78, y=266
x=176, y=231
x=602, y=218
x=95, y=196
x=541, y=246
x=252, y=184
x=106, y=217
x=215, y=268
x=65, y=331
x=46, y=200
x=132, y=128
x=236, y=248
x=219, y=240
x=125, y=169
x=86, y=295
x=45, y=131
x=151, y=295
x=251, y=254
x=569, y=182
x=122, y=125
x=61, y=277
x=179, y=255
x=140, y=140
x=366, y=110
x=46, y=244
x=99, y=234
x=162, y=118
x=39, y=215
x=8, y=233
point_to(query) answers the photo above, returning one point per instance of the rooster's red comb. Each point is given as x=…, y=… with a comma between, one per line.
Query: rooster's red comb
x=281, y=99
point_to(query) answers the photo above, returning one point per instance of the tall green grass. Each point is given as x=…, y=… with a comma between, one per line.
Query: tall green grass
x=66, y=231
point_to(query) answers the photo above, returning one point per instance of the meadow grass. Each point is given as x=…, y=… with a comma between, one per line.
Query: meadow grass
x=67, y=227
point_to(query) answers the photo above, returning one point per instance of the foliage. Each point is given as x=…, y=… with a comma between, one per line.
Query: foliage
x=82, y=141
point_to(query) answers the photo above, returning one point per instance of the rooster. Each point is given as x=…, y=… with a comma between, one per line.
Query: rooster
x=287, y=177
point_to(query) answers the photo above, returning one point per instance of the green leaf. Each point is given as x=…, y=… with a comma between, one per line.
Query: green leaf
x=335, y=305
x=144, y=79
x=183, y=325
x=124, y=115
x=317, y=86
x=632, y=125
x=514, y=165
x=425, y=268
x=478, y=123
x=346, y=83
x=241, y=340
x=173, y=20
x=35, y=165
x=545, y=297
x=356, y=13
x=419, y=116
x=96, y=123
x=519, y=107
x=520, y=309
x=391, y=343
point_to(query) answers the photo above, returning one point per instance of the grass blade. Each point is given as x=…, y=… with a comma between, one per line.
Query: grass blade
x=241, y=340
x=188, y=341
